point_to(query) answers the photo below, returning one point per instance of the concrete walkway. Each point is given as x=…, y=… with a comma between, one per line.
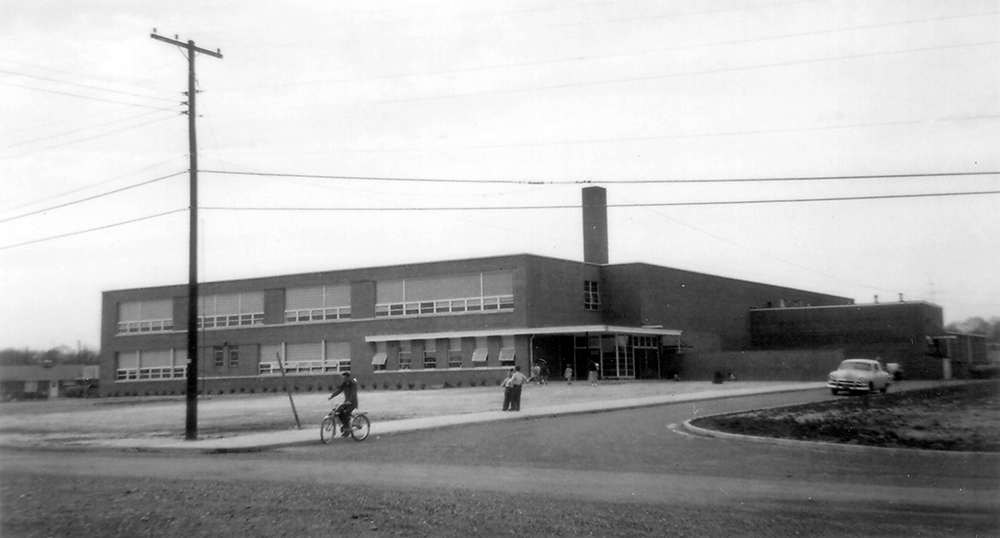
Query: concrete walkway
x=253, y=442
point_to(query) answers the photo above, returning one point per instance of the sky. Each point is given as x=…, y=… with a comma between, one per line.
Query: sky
x=843, y=147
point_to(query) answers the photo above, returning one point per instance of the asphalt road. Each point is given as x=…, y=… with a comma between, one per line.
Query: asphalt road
x=637, y=458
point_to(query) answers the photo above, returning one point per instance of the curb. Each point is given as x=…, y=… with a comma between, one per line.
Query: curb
x=822, y=446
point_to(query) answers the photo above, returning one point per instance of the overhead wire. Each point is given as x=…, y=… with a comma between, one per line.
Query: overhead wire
x=89, y=198
x=101, y=135
x=88, y=86
x=592, y=182
x=67, y=133
x=50, y=238
x=79, y=96
x=610, y=206
x=579, y=58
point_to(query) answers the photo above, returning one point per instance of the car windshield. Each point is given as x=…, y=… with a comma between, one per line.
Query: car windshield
x=854, y=365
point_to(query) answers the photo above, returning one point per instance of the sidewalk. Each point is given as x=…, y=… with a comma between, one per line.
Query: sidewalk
x=309, y=434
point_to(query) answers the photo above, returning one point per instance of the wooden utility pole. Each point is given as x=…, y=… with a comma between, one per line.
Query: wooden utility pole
x=191, y=423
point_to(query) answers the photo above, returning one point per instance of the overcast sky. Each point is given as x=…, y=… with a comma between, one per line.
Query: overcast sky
x=524, y=102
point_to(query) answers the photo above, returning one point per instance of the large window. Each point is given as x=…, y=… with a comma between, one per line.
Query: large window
x=507, y=351
x=591, y=295
x=310, y=358
x=430, y=354
x=234, y=310
x=153, y=364
x=319, y=303
x=481, y=353
x=454, y=294
x=381, y=356
x=146, y=316
x=455, y=353
x=405, y=354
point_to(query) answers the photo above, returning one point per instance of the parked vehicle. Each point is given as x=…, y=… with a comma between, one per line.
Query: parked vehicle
x=895, y=370
x=859, y=375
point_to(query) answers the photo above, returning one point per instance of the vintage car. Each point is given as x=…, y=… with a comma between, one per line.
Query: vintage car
x=859, y=375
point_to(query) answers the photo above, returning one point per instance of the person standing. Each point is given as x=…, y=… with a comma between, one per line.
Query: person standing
x=568, y=374
x=507, y=390
x=592, y=375
x=516, y=382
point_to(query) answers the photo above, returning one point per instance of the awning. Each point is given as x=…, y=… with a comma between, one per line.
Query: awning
x=567, y=329
x=480, y=355
x=506, y=354
x=379, y=359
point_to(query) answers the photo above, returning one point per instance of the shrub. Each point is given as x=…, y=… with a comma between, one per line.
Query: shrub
x=458, y=384
x=399, y=386
x=411, y=385
x=447, y=385
x=423, y=386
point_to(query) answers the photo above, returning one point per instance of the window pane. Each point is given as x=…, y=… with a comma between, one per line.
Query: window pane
x=498, y=283
x=304, y=352
x=336, y=351
x=303, y=298
x=128, y=311
x=339, y=295
x=270, y=353
x=128, y=360
x=227, y=304
x=153, y=359
x=251, y=303
x=389, y=291
x=446, y=287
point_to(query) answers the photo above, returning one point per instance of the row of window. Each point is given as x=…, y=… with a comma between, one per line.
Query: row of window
x=455, y=294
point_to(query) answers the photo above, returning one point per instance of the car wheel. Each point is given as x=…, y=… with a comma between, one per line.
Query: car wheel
x=885, y=388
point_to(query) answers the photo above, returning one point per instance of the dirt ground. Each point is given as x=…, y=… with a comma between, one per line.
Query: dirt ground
x=957, y=418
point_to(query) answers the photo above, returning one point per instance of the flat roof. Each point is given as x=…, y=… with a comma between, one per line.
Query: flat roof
x=567, y=329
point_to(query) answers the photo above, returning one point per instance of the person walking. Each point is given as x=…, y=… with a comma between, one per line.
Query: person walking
x=568, y=374
x=592, y=375
x=507, y=391
x=516, y=382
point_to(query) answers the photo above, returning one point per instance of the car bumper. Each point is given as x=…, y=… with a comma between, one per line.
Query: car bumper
x=843, y=384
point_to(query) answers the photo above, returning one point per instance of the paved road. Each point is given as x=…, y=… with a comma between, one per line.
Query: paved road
x=636, y=456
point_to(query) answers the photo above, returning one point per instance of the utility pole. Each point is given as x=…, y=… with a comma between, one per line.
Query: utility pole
x=191, y=423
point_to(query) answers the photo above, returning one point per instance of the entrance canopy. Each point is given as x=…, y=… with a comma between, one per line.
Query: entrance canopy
x=566, y=329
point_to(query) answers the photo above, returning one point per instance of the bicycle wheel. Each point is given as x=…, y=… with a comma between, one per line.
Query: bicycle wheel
x=360, y=426
x=328, y=429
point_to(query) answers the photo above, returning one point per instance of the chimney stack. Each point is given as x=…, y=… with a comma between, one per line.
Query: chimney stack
x=595, y=225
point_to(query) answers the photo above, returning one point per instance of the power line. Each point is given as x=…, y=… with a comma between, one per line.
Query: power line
x=96, y=196
x=591, y=182
x=92, y=229
x=612, y=206
x=87, y=86
x=85, y=187
x=617, y=54
x=89, y=137
x=84, y=96
x=67, y=133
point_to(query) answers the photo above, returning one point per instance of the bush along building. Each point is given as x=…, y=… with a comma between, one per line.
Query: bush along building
x=466, y=322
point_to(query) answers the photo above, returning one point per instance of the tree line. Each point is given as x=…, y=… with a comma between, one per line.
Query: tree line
x=51, y=357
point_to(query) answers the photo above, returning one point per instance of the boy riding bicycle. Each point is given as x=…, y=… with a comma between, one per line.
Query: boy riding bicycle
x=349, y=387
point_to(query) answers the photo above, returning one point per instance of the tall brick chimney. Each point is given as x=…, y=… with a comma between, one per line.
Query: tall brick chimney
x=595, y=225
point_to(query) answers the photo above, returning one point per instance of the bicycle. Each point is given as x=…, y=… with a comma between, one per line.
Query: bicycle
x=329, y=428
